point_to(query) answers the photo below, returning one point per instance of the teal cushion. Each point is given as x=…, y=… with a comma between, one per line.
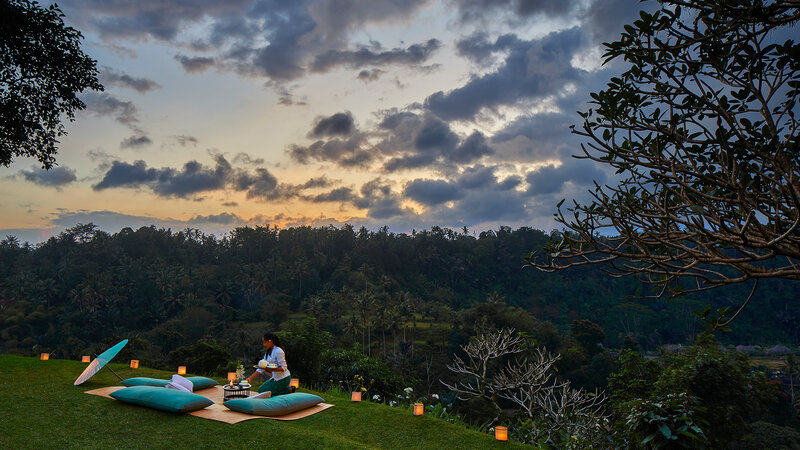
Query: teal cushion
x=275, y=406
x=197, y=382
x=202, y=382
x=163, y=399
x=144, y=381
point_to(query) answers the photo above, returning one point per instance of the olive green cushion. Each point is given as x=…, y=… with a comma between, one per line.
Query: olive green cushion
x=197, y=382
x=144, y=381
x=275, y=406
x=202, y=382
x=163, y=399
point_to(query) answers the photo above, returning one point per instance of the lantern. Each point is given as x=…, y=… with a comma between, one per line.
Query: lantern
x=231, y=376
x=85, y=358
x=294, y=383
x=355, y=396
x=181, y=370
x=418, y=409
x=134, y=364
x=501, y=433
x=44, y=356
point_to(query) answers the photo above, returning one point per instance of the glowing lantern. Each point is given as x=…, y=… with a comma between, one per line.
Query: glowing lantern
x=181, y=370
x=44, y=356
x=418, y=409
x=231, y=376
x=355, y=396
x=501, y=433
x=294, y=383
x=134, y=364
x=85, y=358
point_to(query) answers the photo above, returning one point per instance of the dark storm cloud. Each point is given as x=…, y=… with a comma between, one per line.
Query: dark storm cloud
x=135, y=141
x=55, y=177
x=111, y=77
x=532, y=70
x=603, y=21
x=195, y=64
x=538, y=137
x=551, y=179
x=104, y=104
x=414, y=54
x=339, y=124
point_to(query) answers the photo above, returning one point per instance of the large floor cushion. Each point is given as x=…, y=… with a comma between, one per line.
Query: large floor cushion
x=163, y=399
x=197, y=382
x=144, y=381
x=202, y=382
x=275, y=406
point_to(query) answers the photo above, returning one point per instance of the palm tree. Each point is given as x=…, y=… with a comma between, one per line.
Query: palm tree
x=365, y=303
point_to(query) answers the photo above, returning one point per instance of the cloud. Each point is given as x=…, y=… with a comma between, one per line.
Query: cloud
x=422, y=140
x=135, y=142
x=338, y=195
x=413, y=55
x=184, y=140
x=104, y=104
x=532, y=70
x=122, y=174
x=55, y=177
x=111, y=77
x=432, y=192
x=195, y=64
x=513, y=10
x=195, y=177
x=352, y=152
x=339, y=124
x=368, y=76
x=551, y=179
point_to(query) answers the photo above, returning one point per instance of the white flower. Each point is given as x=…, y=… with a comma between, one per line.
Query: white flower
x=392, y=403
x=408, y=390
x=436, y=396
x=376, y=397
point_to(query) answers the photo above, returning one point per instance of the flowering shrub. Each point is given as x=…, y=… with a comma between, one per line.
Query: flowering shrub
x=350, y=371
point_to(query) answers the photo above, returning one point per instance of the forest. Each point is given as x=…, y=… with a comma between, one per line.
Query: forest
x=350, y=303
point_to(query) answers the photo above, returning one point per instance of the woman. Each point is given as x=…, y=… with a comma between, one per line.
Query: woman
x=278, y=384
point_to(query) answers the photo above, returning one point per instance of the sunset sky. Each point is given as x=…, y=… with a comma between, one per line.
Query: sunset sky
x=406, y=113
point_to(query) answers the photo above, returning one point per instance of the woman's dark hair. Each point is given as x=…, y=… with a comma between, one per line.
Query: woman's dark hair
x=275, y=340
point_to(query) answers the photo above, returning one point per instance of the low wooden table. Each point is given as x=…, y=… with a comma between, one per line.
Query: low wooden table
x=235, y=391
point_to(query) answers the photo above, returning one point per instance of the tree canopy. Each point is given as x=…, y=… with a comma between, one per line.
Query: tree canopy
x=42, y=68
x=702, y=129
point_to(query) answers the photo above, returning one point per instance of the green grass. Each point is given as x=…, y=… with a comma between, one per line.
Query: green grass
x=42, y=409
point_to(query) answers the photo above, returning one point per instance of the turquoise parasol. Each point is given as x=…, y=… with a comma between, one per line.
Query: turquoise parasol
x=99, y=362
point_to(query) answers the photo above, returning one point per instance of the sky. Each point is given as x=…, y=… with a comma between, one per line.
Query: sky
x=409, y=114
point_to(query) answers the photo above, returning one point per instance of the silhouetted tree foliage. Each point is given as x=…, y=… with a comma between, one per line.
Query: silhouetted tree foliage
x=42, y=68
x=703, y=129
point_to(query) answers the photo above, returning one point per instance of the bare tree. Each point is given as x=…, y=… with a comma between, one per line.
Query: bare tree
x=703, y=127
x=528, y=381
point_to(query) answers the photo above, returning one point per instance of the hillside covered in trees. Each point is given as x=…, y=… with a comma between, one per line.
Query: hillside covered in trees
x=369, y=287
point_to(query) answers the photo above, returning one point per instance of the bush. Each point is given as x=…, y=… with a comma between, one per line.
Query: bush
x=202, y=358
x=352, y=370
x=304, y=344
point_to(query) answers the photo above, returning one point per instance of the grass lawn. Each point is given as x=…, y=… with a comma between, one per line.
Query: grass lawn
x=42, y=409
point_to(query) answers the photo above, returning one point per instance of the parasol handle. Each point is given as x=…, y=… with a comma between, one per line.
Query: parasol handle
x=107, y=366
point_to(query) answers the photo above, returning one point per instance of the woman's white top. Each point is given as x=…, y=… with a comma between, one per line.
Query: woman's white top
x=278, y=358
